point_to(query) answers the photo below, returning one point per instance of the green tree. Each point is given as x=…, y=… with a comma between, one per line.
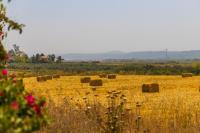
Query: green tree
x=20, y=112
x=18, y=55
x=33, y=59
x=59, y=59
x=6, y=24
x=52, y=57
x=37, y=57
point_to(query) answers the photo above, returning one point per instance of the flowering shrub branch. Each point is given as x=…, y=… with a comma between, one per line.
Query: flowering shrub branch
x=20, y=111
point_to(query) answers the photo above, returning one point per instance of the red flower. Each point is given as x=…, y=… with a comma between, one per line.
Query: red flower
x=43, y=103
x=37, y=109
x=30, y=100
x=14, y=105
x=1, y=94
x=5, y=72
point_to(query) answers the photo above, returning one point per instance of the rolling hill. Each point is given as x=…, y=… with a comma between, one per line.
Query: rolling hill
x=143, y=55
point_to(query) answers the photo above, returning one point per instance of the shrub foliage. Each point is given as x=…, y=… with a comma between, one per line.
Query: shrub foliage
x=20, y=111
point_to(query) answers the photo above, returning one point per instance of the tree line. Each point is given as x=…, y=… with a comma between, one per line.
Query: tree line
x=16, y=55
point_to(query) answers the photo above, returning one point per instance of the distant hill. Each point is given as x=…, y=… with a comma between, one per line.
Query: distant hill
x=144, y=55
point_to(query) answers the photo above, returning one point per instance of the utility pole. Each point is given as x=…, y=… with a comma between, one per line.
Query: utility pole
x=166, y=53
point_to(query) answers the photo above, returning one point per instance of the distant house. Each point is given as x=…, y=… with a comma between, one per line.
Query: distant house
x=44, y=58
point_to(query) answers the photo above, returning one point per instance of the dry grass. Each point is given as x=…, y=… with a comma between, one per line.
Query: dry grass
x=176, y=108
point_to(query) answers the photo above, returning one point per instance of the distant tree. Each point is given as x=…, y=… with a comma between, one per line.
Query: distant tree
x=59, y=59
x=16, y=48
x=41, y=54
x=37, y=58
x=11, y=52
x=20, y=59
x=42, y=58
x=17, y=55
x=33, y=59
x=52, y=57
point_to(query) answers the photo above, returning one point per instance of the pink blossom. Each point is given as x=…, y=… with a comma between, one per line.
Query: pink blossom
x=5, y=72
x=30, y=100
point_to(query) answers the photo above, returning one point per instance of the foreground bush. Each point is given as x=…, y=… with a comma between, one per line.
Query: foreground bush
x=19, y=110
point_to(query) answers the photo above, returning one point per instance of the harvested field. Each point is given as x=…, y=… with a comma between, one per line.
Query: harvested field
x=178, y=100
x=131, y=85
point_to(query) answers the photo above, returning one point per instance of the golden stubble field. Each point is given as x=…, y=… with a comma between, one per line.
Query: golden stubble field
x=172, y=89
x=130, y=85
x=176, y=105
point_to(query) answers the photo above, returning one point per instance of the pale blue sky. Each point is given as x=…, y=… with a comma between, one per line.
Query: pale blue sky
x=88, y=26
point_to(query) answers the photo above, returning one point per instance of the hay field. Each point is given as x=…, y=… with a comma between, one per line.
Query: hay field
x=177, y=104
x=70, y=86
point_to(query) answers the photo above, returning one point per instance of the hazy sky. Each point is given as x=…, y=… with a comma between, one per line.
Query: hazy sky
x=74, y=26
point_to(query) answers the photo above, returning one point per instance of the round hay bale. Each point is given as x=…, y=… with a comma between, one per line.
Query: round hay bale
x=85, y=80
x=97, y=82
x=185, y=75
x=112, y=76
